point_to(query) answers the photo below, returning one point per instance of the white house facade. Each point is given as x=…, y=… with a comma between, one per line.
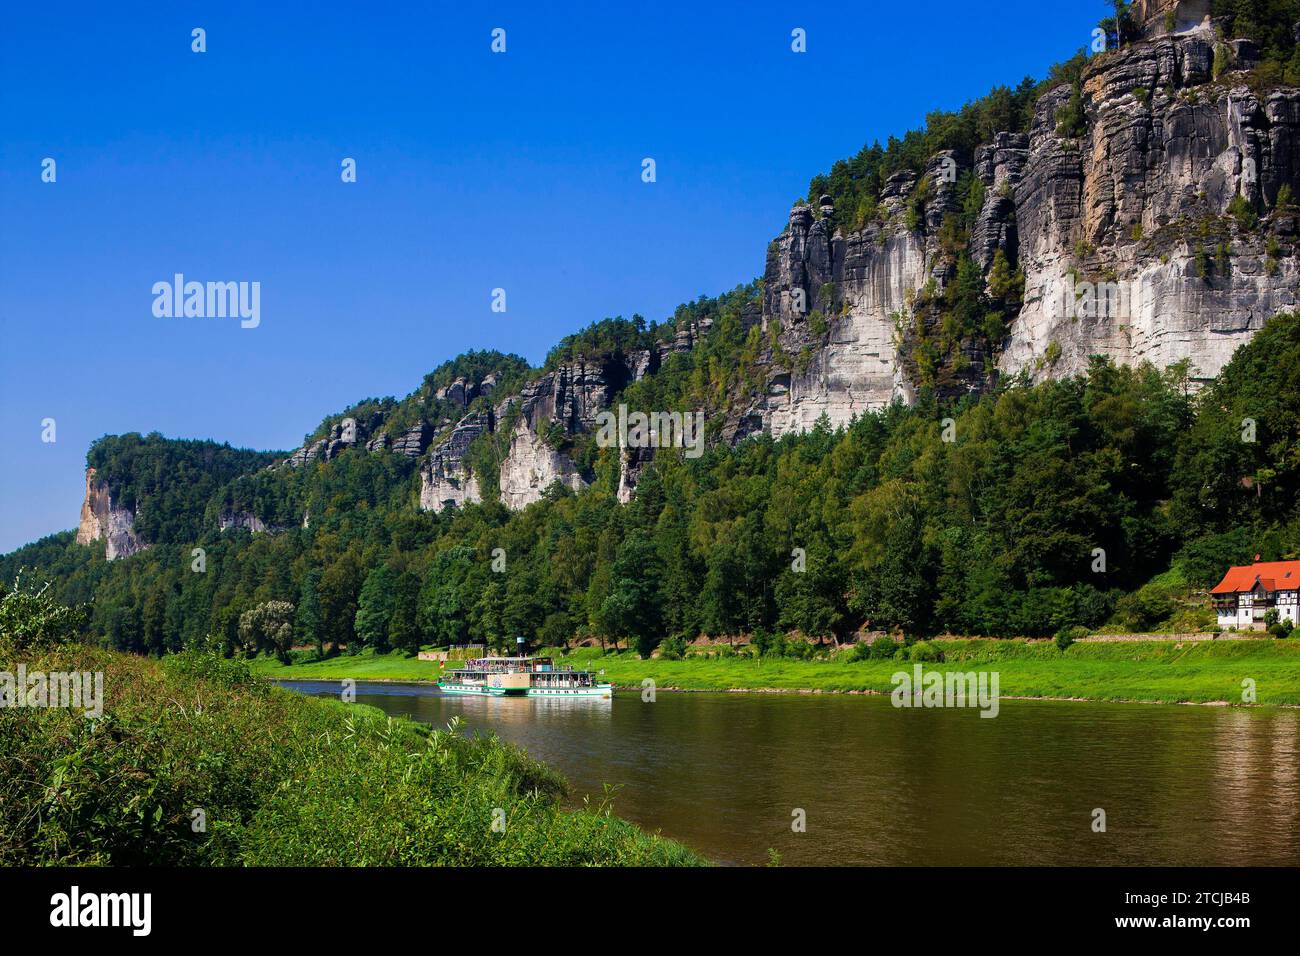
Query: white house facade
x=1244, y=597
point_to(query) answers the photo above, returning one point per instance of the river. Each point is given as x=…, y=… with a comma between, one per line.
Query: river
x=732, y=774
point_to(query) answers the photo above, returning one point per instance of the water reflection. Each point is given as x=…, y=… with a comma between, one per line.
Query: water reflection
x=879, y=786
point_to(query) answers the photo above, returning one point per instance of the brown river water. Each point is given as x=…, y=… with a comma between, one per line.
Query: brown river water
x=726, y=774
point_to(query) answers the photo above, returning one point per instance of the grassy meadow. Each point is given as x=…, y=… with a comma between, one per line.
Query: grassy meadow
x=1163, y=671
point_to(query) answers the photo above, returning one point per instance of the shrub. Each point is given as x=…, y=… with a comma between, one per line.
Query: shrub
x=884, y=648
x=32, y=619
x=799, y=650
x=228, y=673
x=1241, y=210
x=1068, y=635
x=1144, y=609
x=672, y=649
x=923, y=652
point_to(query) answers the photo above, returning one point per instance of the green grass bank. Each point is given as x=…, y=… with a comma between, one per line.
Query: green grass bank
x=1161, y=671
x=278, y=779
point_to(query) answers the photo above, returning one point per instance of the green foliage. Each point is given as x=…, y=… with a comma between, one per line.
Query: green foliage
x=672, y=649
x=30, y=618
x=1069, y=635
x=1072, y=118
x=1226, y=479
x=282, y=779
x=1144, y=610
x=1120, y=27
x=1244, y=213
x=168, y=482
x=884, y=648
x=610, y=339
x=1271, y=24
x=269, y=625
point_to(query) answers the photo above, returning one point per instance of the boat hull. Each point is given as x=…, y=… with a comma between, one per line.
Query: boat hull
x=472, y=690
x=600, y=690
x=551, y=693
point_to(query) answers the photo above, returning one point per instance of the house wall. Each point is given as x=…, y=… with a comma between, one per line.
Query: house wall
x=1242, y=617
x=1288, y=606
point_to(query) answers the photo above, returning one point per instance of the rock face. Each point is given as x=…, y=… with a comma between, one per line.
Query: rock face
x=1150, y=233
x=446, y=479
x=830, y=303
x=1155, y=17
x=562, y=403
x=100, y=519
x=1141, y=206
x=1138, y=209
x=229, y=519
x=532, y=466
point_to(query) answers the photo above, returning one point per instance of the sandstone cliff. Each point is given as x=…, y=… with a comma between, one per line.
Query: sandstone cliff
x=1144, y=201
x=536, y=424
x=1152, y=227
x=101, y=520
x=1155, y=204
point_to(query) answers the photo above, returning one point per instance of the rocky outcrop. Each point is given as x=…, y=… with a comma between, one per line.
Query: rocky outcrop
x=540, y=422
x=1000, y=167
x=231, y=519
x=532, y=466
x=446, y=477
x=346, y=433
x=831, y=307
x=573, y=394
x=1142, y=208
x=102, y=520
x=410, y=443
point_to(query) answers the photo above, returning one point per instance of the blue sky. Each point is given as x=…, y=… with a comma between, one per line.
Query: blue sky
x=475, y=171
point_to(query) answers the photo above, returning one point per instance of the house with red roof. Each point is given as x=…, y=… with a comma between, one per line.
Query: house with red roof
x=1246, y=594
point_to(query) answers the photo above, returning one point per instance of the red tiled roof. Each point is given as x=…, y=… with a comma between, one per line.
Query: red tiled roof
x=1274, y=575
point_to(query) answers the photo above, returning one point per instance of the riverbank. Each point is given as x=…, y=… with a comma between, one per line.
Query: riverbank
x=197, y=762
x=1150, y=672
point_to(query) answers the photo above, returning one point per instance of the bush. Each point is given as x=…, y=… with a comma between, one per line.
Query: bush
x=885, y=648
x=1281, y=630
x=1068, y=635
x=672, y=649
x=800, y=650
x=923, y=652
x=1241, y=210
x=1144, y=609
x=31, y=619
x=197, y=665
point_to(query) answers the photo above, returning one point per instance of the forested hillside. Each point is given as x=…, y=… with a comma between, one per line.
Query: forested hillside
x=983, y=518
x=903, y=431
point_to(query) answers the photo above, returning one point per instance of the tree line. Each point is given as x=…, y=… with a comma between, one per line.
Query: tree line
x=1024, y=511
